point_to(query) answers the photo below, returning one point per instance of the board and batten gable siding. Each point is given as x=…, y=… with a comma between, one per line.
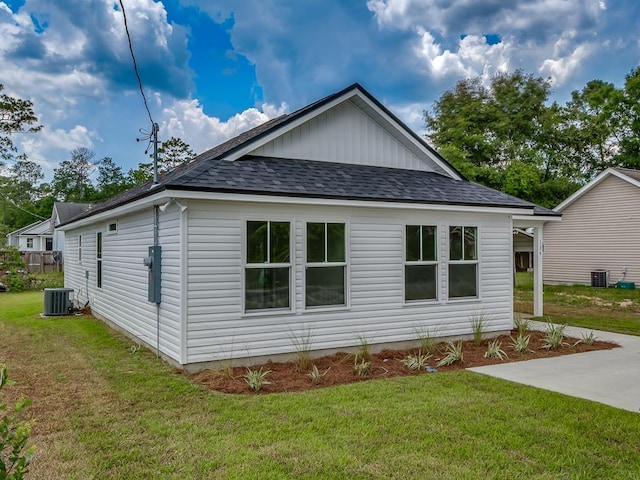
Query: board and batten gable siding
x=122, y=299
x=217, y=328
x=345, y=134
x=600, y=230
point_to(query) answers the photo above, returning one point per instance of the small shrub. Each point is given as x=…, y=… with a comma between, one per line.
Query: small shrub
x=479, y=322
x=361, y=368
x=427, y=339
x=15, y=457
x=521, y=343
x=588, y=338
x=256, y=379
x=554, y=336
x=494, y=350
x=315, y=375
x=302, y=344
x=523, y=325
x=453, y=354
x=417, y=361
x=364, y=351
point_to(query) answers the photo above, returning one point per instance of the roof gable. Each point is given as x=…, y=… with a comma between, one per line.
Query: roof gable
x=350, y=126
x=40, y=228
x=626, y=174
x=65, y=211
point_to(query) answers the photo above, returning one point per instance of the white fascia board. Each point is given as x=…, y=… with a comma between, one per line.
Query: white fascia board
x=281, y=130
x=527, y=221
x=277, y=199
x=155, y=199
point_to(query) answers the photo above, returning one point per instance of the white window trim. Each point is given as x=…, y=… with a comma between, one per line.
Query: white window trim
x=290, y=265
x=112, y=232
x=80, y=248
x=437, y=263
x=29, y=240
x=346, y=264
x=478, y=297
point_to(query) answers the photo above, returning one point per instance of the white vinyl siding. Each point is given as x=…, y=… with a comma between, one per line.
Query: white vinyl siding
x=345, y=134
x=218, y=329
x=600, y=230
x=123, y=296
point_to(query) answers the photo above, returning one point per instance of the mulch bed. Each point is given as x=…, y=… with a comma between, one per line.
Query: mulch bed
x=339, y=368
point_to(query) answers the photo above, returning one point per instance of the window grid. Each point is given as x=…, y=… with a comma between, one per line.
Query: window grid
x=325, y=280
x=421, y=275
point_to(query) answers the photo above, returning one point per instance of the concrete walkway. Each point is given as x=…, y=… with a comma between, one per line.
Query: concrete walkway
x=611, y=377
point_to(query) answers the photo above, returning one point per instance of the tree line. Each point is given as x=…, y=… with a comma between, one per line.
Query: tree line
x=508, y=135
x=504, y=133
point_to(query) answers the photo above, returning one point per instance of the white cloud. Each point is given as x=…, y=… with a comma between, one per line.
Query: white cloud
x=559, y=69
x=186, y=119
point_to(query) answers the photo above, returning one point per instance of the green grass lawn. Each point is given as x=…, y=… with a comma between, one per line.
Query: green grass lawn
x=102, y=411
x=609, y=309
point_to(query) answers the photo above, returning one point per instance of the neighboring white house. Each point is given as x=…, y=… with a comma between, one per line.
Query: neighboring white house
x=37, y=237
x=335, y=222
x=600, y=230
x=12, y=237
x=63, y=212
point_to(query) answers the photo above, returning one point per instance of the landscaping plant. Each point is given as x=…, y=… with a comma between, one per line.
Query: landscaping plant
x=453, y=354
x=479, y=322
x=315, y=375
x=554, y=336
x=523, y=325
x=417, y=361
x=589, y=338
x=521, y=343
x=364, y=351
x=494, y=350
x=302, y=344
x=14, y=434
x=256, y=379
x=427, y=339
x=361, y=368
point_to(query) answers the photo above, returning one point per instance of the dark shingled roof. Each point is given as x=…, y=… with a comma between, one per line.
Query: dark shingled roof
x=307, y=178
x=69, y=210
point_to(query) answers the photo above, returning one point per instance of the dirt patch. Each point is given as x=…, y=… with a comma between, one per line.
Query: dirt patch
x=338, y=369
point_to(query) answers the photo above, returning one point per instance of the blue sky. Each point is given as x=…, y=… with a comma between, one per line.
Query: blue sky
x=213, y=69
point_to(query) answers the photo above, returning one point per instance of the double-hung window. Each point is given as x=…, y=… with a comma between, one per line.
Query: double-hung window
x=29, y=242
x=325, y=270
x=99, y=259
x=421, y=263
x=268, y=265
x=463, y=262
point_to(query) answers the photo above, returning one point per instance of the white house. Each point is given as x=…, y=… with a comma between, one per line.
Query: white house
x=12, y=237
x=599, y=231
x=334, y=222
x=37, y=237
x=63, y=212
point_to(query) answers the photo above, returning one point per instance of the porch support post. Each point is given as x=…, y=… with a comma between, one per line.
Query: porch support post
x=538, y=248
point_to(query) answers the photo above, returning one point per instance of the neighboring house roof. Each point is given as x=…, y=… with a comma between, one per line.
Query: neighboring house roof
x=230, y=168
x=626, y=174
x=38, y=229
x=17, y=232
x=522, y=232
x=66, y=211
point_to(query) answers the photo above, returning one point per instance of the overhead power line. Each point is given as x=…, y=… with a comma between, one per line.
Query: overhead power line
x=11, y=202
x=135, y=64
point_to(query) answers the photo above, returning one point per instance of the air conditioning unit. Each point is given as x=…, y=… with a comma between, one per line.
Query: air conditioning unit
x=57, y=301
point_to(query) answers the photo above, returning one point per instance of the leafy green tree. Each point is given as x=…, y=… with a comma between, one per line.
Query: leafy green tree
x=172, y=153
x=629, y=152
x=71, y=180
x=504, y=135
x=16, y=116
x=111, y=180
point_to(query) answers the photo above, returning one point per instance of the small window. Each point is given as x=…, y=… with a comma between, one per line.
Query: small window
x=79, y=248
x=326, y=264
x=268, y=265
x=48, y=244
x=112, y=228
x=463, y=262
x=29, y=242
x=99, y=259
x=421, y=263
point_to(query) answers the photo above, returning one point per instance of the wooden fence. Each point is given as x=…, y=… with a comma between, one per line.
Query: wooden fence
x=43, y=262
